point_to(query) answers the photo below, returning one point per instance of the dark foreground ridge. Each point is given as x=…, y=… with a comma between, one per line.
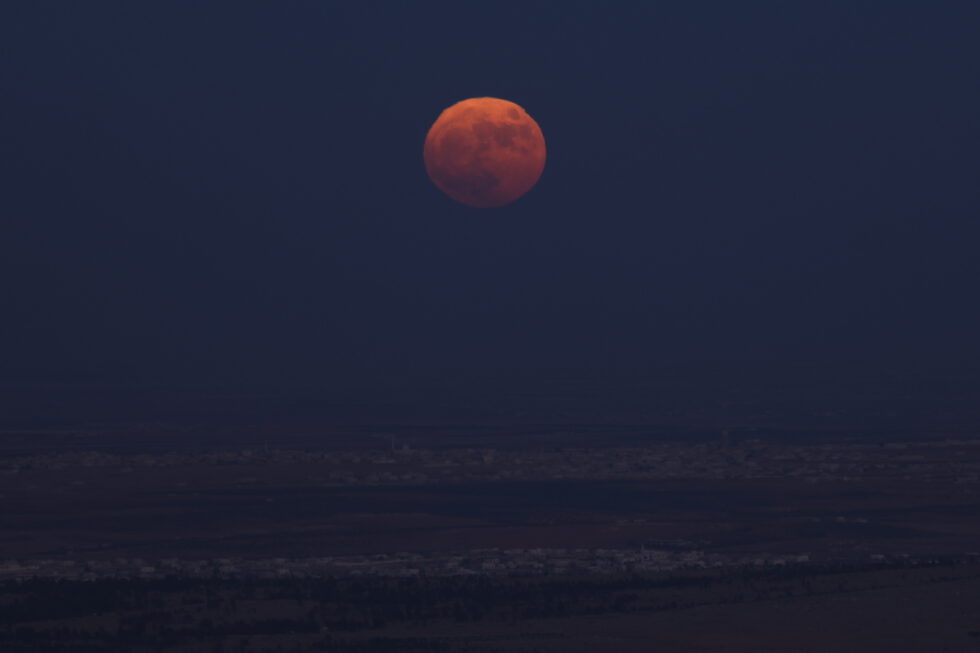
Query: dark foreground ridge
x=900, y=606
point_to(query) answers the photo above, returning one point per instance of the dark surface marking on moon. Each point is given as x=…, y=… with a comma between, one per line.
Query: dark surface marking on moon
x=474, y=182
x=502, y=133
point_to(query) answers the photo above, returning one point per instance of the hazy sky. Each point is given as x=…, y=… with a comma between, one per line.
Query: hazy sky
x=233, y=193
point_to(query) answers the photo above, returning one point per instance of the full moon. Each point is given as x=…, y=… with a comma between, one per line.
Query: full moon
x=484, y=152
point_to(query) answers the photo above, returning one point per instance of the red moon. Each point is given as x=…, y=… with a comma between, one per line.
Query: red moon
x=484, y=152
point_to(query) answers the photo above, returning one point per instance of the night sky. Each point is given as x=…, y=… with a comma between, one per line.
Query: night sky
x=203, y=195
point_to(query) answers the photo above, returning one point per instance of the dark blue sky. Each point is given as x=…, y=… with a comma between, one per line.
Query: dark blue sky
x=232, y=194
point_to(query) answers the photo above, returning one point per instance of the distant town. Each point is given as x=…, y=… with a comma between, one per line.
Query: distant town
x=478, y=562
x=948, y=460
x=945, y=464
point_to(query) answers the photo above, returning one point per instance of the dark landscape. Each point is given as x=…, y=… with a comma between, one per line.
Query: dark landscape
x=537, y=533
